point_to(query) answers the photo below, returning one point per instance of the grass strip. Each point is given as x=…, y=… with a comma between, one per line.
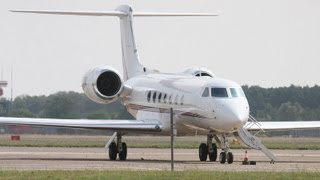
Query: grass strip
x=185, y=175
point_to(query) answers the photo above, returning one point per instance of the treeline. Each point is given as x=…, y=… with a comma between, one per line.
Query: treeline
x=66, y=105
x=292, y=103
x=266, y=104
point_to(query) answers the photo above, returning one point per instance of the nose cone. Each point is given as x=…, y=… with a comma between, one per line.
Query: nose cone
x=238, y=117
x=235, y=119
x=234, y=115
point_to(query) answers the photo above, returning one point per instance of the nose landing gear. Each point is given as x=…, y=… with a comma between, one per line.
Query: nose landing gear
x=226, y=157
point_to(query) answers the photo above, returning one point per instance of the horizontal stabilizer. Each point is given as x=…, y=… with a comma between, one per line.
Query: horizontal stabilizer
x=152, y=14
x=110, y=13
x=78, y=13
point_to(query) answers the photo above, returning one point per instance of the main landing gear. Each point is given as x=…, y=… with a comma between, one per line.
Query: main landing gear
x=119, y=148
x=210, y=149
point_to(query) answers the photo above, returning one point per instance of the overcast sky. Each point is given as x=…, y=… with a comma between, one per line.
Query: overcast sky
x=269, y=43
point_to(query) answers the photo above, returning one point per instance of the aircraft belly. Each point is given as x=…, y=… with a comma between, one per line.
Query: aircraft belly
x=188, y=126
x=204, y=125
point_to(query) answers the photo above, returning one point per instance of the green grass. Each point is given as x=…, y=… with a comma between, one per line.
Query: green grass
x=187, y=142
x=156, y=175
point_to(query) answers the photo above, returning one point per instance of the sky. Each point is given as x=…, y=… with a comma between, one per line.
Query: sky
x=270, y=43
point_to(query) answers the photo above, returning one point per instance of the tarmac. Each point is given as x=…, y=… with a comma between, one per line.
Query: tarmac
x=48, y=158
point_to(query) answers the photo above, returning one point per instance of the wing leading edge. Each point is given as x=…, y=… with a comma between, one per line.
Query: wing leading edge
x=116, y=125
x=285, y=125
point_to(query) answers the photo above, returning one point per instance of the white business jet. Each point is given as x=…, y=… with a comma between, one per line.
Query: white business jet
x=202, y=103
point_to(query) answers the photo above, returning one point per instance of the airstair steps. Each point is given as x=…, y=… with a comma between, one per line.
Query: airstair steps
x=254, y=142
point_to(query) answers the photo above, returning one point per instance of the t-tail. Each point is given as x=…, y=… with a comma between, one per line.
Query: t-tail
x=130, y=58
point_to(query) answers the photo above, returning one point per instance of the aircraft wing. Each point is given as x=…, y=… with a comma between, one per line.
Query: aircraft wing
x=283, y=125
x=116, y=125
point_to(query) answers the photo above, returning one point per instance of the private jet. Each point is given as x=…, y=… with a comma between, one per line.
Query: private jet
x=201, y=102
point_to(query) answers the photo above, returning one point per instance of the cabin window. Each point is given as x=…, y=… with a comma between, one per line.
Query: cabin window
x=205, y=92
x=154, y=97
x=219, y=92
x=176, y=99
x=149, y=96
x=165, y=98
x=170, y=99
x=159, y=97
x=181, y=100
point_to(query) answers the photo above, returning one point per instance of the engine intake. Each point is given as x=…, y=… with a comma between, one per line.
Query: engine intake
x=102, y=84
x=109, y=83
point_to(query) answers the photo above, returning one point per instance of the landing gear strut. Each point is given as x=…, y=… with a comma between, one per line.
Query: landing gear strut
x=118, y=148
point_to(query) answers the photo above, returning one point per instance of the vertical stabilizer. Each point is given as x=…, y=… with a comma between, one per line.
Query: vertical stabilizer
x=130, y=57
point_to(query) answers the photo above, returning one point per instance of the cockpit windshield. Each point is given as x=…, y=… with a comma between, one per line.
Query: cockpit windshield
x=219, y=92
x=223, y=92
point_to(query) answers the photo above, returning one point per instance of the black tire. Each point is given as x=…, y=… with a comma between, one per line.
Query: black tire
x=113, y=151
x=123, y=153
x=214, y=154
x=203, y=152
x=223, y=157
x=230, y=157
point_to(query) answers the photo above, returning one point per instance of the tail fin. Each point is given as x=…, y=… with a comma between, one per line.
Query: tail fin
x=130, y=58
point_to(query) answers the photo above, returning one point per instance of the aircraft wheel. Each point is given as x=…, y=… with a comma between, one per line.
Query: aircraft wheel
x=113, y=151
x=230, y=157
x=123, y=153
x=222, y=157
x=214, y=154
x=203, y=152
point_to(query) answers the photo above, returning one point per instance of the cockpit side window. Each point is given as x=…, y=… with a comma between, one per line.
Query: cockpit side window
x=219, y=92
x=205, y=92
x=236, y=92
x=241, y=92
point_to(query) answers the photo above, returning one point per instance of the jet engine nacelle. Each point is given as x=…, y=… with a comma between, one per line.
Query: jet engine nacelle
x=102, y=84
